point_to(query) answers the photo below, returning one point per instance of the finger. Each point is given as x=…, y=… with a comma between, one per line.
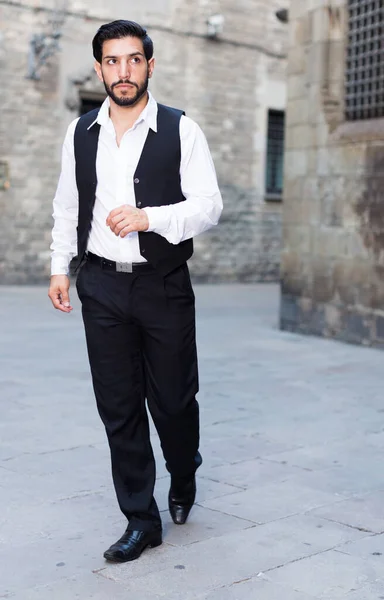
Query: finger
x=135, y=224
x=119, y=223
x=119, y=226
x=65, y=309
x=55, y=297
x=114, y=213
x=113, y=224
x=128, y=229
x=117, y=219
x=65, y=301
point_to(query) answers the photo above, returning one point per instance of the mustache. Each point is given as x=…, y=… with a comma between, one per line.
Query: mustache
x=124, y=82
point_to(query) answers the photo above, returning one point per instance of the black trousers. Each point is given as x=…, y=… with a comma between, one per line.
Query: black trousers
x=140, y=332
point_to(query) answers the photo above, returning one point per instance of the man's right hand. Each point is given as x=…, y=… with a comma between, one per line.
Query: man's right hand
x=59, y=293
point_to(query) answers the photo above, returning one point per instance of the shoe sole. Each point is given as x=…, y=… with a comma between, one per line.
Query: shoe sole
x=123, y=560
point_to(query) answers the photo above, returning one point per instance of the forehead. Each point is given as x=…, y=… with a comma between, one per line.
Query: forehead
x=122, y=46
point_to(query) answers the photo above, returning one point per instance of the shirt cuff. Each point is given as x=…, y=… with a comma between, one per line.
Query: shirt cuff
x=59, y=266
x=158, y=218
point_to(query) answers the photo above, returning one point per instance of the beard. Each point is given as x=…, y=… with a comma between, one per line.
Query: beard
x=125, y=100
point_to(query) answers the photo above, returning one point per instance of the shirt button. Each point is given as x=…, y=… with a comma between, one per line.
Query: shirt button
x=136, y=180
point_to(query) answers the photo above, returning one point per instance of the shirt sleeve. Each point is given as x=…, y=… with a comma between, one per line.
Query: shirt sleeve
x=65, y=209
x=203, y=204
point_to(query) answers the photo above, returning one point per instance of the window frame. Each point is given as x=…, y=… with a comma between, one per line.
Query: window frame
x=93, y=98
x=364, y=65
x=274, y=195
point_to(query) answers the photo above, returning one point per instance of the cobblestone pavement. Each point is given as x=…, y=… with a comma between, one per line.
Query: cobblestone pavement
x=290, y=503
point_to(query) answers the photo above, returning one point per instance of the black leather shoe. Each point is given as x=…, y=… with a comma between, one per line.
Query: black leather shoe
x=132, y=544
x=181, y=498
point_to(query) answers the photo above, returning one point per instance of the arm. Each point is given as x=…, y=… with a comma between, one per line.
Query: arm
x=203, y=205
x=65, y=215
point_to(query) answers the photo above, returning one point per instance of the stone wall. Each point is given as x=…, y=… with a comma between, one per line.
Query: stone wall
x=333, y=240
x=227, y=85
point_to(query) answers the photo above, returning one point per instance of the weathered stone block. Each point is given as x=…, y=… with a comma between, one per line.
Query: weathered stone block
x=289, y=310
x=299, y=137
x=357, y=327
x=317, y=64
x=297, y=86
x=296, y=60
x=296, y=162
x=379, y=327
x=300, y=30
x=298, y=112
x=320, y=23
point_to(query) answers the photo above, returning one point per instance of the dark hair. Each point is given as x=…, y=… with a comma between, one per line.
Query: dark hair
x=121, y=29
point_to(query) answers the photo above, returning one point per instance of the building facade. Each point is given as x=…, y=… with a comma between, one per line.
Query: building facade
x=333, y=242
x=227, y=75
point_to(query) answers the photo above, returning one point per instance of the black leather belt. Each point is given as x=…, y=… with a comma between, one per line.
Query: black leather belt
x=120, y=267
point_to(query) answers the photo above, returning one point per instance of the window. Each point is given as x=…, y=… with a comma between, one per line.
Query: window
x=364, y=85
x=275, y=155
x=89, y=103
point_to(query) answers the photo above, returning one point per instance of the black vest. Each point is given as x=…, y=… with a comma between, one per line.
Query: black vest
x=156, y=183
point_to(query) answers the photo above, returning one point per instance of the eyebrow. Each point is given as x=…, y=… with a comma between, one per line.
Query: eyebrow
x=130, y=55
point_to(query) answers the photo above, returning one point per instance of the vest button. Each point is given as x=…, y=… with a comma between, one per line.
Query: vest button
x=139, y=203
x=136, y=180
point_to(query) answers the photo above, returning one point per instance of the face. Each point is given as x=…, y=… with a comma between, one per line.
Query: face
x=124, y=70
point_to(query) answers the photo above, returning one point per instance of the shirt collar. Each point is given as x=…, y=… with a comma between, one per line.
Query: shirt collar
x=149, y=114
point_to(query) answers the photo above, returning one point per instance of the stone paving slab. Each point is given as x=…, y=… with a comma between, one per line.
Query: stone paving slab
x=372, y=545
x=315, y=533
x=250, y=473
x=215, y=562
x=88, y=586
x=204, y=524
x=272, y=501
x=253, y=589
x=343, y=481
x=290, y=493
x=329, y=575
x=372, y=591
x=361, y=448
x=365, y=512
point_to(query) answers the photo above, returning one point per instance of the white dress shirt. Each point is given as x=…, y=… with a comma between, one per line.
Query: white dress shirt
x=115, y=167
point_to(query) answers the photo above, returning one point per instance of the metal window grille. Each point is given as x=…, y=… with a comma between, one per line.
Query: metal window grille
x=275, y=153
x=364, y=85
x=87, y=104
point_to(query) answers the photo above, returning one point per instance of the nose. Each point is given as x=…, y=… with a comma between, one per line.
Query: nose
x=124, y=70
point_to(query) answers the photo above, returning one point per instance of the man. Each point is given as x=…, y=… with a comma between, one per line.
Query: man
x=137, y=183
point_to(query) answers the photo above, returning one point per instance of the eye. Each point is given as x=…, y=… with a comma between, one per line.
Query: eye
x=112, y=61
x=136, y=60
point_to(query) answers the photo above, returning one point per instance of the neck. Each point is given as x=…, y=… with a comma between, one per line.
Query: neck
x=125, y=116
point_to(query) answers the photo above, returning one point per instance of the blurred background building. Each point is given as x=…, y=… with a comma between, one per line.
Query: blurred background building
x=333, y=242
x=222, y=61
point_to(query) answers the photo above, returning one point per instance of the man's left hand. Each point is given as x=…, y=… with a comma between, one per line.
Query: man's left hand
x=125, y=219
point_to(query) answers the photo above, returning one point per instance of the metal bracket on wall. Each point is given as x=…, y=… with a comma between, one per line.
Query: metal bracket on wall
x=44, y=45
x=41, y=47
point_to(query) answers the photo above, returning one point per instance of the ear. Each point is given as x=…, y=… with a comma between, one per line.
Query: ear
x=97, y=67
x=151, y=67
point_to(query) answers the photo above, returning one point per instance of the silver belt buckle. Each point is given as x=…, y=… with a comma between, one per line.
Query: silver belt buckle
x=123, y=267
